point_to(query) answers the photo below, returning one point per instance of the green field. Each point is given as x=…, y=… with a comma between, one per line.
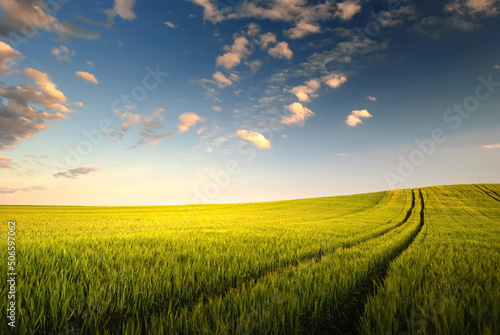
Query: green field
x=421, y=261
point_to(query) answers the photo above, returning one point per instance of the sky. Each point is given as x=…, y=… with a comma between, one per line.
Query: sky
x=129, y=102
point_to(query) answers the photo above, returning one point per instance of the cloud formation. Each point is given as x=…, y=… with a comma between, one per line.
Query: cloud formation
x=281, y=50
x=305, y=17
x=355, y=117
x=124, y=9
x=305, y=92
x=299, y=115
x=86, y=76
x=492, y=146
x=222, y=80
x=76, y=172
x=63, y=53
x=235, y=53
x=25, y=17
x=148, y=135
x=255, y=138
x=371, y=98
x=18, y=118
x=348, y=9
x=334, y=80
x=7, y=56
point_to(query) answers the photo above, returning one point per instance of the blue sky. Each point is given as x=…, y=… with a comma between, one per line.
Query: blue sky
x=199, y=101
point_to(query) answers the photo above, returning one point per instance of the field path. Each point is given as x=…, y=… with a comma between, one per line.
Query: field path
x=356, y=309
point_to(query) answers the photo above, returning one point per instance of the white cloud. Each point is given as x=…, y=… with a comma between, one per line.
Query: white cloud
x=492, y=146
x=281, y=50
x=266, y=39
x=124, y=9
x=7, y=56
x=305, y=92
x=371, y=98
x=355, y=117
x=170, y=24
x=50, y=96
x=222, y=80
x=348, y=9
x=253, y=29
x=89, y=63
x=86, y=76
x=496, y=67
x=334, y=80
x=187, y=120
x=234, y=54
x=210, y=12
x=254, y=137
x=299, y=115
x=63, y=53
x=23, y=17
x=217, y=108
x=303, y=29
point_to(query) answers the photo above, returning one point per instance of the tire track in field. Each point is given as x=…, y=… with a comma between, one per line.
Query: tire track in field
x=316, y=257
x=483, y=187
x=353, y=313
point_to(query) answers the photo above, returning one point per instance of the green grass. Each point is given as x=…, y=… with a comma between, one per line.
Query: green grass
x=406, y=261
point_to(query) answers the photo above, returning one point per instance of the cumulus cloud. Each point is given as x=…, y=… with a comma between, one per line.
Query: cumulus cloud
x=371, y=98
x=305, y=92
x=18, y=118
x=492, y=146
x=24, y=17
x=63, y=53
x=334, y=80
x=234, y=54
x=355, y=117
x=255, y=138
x=124, y=9
x=187, y=120
x=222, y=80
x=303, y=29
x=347, y=9
x=281, y=50
x=7, y=56
x=266, y=39
x=299, y=115
x=49, y=96
x=86, y=76
x=76, y=172
x=217, y=108
x=304, y=16
x=170, y=24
